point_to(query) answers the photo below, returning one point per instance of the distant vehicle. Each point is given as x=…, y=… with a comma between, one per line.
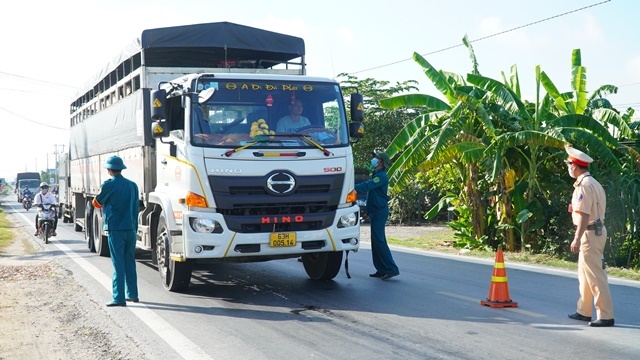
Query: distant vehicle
x=30, y=179
x=27, y=201
x=3, y=186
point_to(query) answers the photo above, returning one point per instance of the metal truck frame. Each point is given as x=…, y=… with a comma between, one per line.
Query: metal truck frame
x=192, y=110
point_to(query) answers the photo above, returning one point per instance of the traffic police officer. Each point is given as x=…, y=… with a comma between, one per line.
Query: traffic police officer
x=119, y=198
x=378, y=211
x=588, y=205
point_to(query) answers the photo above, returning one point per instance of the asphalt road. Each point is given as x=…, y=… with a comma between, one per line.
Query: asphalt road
x=431, y=311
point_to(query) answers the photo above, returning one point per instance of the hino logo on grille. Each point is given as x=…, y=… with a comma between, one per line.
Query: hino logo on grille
x=226, y=171
x=281, y=183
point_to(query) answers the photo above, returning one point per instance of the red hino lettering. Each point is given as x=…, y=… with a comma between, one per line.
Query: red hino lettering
x=282, y=219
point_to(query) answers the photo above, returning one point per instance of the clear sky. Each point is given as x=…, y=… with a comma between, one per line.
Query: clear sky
x=51, y=48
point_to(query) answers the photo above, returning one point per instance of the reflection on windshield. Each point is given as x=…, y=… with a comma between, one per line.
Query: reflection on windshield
x=270, y=114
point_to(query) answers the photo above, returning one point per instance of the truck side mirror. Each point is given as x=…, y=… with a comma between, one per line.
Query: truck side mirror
x=159, y=129
x=357, y=107
x=356, y=130
x=158, y=98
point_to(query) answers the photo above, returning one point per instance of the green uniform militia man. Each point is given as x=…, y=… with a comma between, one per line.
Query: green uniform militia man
x=378, y=211
x=587, y=208
x=119, y=198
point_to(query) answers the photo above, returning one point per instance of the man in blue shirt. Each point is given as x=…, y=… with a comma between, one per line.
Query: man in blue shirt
x=378, y=211
x=119, y=199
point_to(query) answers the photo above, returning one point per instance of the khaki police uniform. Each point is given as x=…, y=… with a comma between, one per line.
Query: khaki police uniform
x=590, y=199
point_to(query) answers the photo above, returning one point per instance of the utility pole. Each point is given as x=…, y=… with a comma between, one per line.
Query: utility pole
x=57, y=172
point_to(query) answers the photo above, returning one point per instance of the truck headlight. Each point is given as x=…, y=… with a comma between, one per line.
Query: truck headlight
x=202, y=225
x=347, y=220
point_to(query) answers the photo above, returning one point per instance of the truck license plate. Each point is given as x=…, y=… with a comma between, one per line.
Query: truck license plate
x=282, y=239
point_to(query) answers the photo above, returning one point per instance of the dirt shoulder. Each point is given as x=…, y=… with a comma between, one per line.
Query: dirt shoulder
x=45, y=314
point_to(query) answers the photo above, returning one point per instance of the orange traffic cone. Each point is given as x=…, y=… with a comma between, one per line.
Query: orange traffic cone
x=499, y=289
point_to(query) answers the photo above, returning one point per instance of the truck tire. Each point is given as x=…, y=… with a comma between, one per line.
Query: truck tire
x=176, y=276
x=101, y=242
x=322, y=265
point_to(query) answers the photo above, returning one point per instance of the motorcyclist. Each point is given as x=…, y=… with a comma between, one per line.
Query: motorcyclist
x=26, y=191
x=45, y=197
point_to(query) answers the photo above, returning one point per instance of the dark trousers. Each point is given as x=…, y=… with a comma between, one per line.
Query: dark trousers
x=382, y=258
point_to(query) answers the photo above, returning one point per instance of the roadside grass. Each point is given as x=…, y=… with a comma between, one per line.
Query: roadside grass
x=8, y=235
x=442, y=240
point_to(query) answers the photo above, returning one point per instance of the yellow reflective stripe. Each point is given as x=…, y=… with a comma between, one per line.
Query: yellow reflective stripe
x=498, y=266
x=498, y=279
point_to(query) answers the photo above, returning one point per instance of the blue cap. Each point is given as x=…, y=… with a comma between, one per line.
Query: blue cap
x=115, y=163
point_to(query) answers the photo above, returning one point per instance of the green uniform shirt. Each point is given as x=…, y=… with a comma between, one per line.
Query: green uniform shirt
x=120, y=203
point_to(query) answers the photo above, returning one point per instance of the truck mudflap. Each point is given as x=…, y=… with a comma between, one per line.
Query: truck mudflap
x=223, y=243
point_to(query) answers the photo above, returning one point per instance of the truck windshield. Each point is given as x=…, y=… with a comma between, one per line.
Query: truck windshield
x=245, y=112
x=31, y=183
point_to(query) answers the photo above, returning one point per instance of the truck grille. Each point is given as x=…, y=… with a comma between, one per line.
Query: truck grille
x=250, y=207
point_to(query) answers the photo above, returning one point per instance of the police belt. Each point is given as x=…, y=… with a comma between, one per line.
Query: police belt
x=589, y=227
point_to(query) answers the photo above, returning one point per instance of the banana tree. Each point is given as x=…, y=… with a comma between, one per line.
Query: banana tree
x=454, y=132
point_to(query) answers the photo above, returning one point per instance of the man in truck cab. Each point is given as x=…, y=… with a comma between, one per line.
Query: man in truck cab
x=45, y=197
x=294, y=121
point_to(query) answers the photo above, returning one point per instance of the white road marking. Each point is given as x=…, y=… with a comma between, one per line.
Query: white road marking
x=516, y=310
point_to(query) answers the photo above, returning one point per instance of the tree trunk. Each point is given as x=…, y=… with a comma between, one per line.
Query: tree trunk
x=478, y=211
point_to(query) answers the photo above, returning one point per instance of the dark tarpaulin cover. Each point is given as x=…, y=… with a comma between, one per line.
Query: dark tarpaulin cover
x=210, y=40
x=202, y=46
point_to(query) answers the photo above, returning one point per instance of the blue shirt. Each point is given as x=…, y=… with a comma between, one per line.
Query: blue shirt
x=376, y=189
x=120, y=203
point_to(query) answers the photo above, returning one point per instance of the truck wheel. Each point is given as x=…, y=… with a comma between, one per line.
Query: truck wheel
x=323, y=265
x=175, y=276
x=88, y=232
x=101, y=242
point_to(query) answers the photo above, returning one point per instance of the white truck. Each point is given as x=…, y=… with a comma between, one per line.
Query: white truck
x=193, y=110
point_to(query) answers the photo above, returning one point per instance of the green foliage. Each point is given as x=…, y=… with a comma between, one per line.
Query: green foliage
x=408, y=205
x=380, y=124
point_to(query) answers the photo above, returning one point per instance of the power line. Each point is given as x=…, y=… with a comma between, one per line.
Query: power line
x=34, y=79
x=32, y=121
x=486, y=37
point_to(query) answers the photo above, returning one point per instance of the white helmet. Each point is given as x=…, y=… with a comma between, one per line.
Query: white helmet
x=44, y=184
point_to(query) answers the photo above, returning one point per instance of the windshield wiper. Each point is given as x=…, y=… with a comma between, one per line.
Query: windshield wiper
x=308, y=140
x=259, y=139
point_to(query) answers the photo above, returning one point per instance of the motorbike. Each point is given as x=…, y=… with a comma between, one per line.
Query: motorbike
x=27, y=202
x=46, y=219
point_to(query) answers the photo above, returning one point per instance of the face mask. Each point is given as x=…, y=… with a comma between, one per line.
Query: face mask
x=374, y=162
x=44, y=191
x=571, y=173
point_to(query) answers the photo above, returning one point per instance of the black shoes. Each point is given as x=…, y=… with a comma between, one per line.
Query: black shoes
x=386, y=276
x=133, y=300
x=578, y=316
x=602, y=323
